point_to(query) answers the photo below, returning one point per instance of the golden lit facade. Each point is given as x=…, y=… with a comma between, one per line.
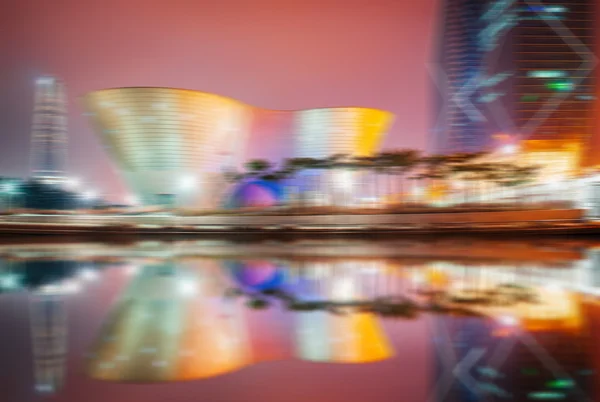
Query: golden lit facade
x=172, y=145
x=557, y=159
x=349, y=131
x=555, y=306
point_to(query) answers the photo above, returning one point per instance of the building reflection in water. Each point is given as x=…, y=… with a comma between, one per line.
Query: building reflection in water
x=49, y=284
x=48, y=320
x=171, y=324
x=353, y=337
x=267, y=328
x=345, y=335
x=517, y=351
x=176, y=321
x=479, y=359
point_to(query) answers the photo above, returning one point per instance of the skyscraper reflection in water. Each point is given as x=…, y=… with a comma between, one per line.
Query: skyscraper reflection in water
x=538, y=353
x=48, y=317
x=50, y=283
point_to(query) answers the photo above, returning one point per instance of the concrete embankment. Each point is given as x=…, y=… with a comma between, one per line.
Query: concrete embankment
x=566, y=221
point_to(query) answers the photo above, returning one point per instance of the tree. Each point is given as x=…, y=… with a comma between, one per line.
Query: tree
x=327, y=165
x=433, y=168
x=232, y=176
x=38, y=195
x=256, y=167
x=401, y=162
x=383, y=164
x=474, y=173
x=465, y=167
x=370, y=165
x=291, y=168
x=514, y=176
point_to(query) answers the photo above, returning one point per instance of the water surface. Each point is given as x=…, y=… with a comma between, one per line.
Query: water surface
x=327, y=320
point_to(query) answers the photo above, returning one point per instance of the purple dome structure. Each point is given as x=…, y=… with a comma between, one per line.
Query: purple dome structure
x=253, y=194
x=256, y=274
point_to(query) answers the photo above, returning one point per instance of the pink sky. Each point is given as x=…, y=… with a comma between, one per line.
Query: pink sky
x=270, y=53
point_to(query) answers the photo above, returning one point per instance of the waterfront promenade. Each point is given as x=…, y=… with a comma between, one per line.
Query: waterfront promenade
x=562, y=221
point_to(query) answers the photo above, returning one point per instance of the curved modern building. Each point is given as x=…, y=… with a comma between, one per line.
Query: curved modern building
x=172, y=145
x=167, y=142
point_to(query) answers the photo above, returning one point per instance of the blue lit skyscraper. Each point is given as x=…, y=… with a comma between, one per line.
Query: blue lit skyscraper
x=49, y=132
x=517, y=67
x=554, y=63
x=457, y=68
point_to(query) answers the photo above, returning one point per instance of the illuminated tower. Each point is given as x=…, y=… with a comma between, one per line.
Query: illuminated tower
x=554, y=64
x=48, y=318
x=458, y=125
x=545, y=48
x=49, y=132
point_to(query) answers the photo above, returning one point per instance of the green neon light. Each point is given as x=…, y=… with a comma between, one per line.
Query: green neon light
x=560, y=86
x=546, y=74
x=560, y=383
x=546, y=396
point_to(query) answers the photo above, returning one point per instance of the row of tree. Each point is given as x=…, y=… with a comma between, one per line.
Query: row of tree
x=34, y=194
x=472, y=170
x=399, y=306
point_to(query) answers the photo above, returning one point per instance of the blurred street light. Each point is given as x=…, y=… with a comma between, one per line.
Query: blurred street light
x=187, y=287
x=509, y=149
x=89, y=275
x=187, y=182
x=73, y=183
x=71, y=286
x=508, y=320
x=89, y=195
x=131, y=200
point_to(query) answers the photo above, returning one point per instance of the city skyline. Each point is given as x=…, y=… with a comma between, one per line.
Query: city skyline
x=317, y=57
x=333, y=200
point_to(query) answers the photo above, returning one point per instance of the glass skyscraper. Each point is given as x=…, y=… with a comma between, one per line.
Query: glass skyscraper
x=458, y=69
x=554, y=65
x=517, y=67
x=49, y=132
